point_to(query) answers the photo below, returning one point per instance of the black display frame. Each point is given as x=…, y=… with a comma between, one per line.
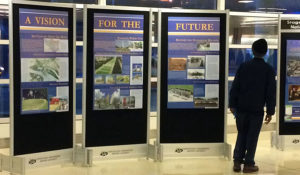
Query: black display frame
x=41, y=132
x=285, y=128
x=114, y=127
x=192, y=125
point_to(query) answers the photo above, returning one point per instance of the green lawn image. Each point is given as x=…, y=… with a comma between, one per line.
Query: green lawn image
x=113, y=66
x=183, y=87
x=123, y=79
x=34, y=104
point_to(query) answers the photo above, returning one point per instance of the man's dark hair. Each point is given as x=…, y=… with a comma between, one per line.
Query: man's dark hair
x=260, y=48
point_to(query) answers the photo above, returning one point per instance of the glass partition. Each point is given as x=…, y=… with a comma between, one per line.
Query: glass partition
x=4, y=100
x=246, y=29
x=4, y=59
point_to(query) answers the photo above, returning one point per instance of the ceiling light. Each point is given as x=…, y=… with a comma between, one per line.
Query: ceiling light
x=245, y=2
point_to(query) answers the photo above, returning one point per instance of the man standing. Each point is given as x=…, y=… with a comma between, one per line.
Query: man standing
x=253, y=88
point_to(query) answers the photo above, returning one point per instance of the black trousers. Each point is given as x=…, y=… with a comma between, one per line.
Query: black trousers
x=248, y=126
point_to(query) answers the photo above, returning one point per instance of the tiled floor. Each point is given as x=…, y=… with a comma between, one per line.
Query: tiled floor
x=270, y=161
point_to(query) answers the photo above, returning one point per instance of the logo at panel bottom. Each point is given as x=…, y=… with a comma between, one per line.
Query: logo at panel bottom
x=32, y=161
x=296, y=141
x=104, y=154
x=179, y=150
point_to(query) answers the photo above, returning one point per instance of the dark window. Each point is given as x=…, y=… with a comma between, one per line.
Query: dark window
x=190, y=4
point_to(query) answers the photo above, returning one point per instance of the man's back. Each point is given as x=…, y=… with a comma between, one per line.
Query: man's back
x=253, y=87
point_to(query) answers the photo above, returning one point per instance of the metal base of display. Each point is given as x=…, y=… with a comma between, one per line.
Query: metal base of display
x=154, y=152
x=12, y=164
x=193, y=150
x=119, y=152
x=83, y=156
x=283, y=142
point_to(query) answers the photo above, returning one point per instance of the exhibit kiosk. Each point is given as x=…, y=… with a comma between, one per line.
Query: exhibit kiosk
x=192, y=83
x=116, y=81
x=287, y=134
x=42, y=87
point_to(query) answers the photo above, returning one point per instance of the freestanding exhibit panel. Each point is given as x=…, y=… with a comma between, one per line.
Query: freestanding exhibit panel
x=116, y=81
x=42, y=82
x=288, y=85
x=192, y=86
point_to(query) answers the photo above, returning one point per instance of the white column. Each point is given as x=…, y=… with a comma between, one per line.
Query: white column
x=101, y=2
x=220, y=4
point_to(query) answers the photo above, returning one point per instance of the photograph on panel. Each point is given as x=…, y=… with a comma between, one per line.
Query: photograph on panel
x=294, y=92
x=136, y=46
x=105, y=99
x=293, y=66
x=100, y=79
x=180, y=93
x=196, y=61
x=110, y=79
x=111, y=64
x=127, y=102
x=125, y=46
x=122, y=79
x=34, y=99
x=177, y=64
x=293, y=58
x=288, y=113
x=59, y=98
x=195, y=73
x=56, y=45
x=208, y=45
x=44, y=69
x=211, y=98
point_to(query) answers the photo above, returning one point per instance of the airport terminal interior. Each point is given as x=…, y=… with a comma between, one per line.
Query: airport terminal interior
x=131, y=75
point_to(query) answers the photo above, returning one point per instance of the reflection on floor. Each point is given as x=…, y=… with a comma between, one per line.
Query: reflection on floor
x=270, y=161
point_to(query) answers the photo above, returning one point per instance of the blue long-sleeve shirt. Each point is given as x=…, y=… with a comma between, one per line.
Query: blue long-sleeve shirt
x=254, y=87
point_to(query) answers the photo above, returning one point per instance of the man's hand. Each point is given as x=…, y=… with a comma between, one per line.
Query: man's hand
x=232, y=110
x=268, y=118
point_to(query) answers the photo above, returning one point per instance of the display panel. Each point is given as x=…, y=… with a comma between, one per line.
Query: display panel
x=118, y=61
x=43, y=46
x=44, y=61
x=200, y=38
x=116, y=77
x=292, y=86
x=289, y=82
x=193, y=62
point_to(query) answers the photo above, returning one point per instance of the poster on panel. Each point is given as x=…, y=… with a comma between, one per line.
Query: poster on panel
x=193, y=62
x=44, y=54
x=118, y=61
x=292, y=85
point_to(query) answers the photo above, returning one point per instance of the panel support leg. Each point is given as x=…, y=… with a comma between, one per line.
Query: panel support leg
x=227, y=151
x=83, y=156
x=155, y=152
x=12, y=164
